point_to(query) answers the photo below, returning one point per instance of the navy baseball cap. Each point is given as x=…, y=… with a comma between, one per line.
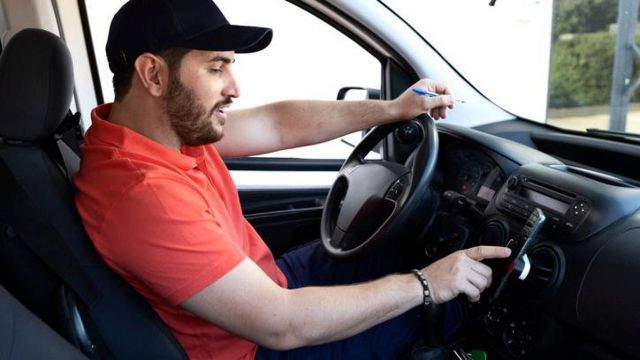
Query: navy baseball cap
x=154, y=25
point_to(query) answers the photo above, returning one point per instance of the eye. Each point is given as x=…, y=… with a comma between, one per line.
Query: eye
x=215, y=70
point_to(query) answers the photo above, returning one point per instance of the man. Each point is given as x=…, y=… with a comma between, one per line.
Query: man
x=162, y=210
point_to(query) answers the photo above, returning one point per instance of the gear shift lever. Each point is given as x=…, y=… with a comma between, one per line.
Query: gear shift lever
x=430, y=348
x=434, y=325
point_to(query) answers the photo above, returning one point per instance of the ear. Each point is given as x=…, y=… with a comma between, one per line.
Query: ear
x=153, y=73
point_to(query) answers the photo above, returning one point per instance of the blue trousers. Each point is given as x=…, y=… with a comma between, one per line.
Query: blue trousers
x=309, y=265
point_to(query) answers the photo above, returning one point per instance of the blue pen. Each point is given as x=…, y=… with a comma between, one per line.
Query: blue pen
x=430, y=94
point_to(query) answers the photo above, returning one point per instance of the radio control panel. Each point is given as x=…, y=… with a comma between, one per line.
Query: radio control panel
x=565, y=210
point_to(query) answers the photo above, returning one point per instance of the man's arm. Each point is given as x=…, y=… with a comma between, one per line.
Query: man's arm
x=289, y=124
x=248, y=303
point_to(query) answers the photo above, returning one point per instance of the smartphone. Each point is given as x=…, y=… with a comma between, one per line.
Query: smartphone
x=520, y=245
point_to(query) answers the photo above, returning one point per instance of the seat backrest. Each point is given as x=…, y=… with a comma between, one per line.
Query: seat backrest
x=36, y=85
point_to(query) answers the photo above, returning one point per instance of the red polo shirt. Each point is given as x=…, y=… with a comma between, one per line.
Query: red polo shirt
x=170, y=223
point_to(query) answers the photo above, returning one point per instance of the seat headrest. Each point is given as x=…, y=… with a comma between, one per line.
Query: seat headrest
x=36, y=85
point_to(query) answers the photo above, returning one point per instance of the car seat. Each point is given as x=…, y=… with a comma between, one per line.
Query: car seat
x=24, y=336
x=46, y=259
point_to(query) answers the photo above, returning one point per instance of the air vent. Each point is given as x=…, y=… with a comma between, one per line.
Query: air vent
x=547, y=268
x=495, y=233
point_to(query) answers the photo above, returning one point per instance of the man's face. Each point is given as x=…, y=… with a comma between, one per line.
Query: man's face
x=198, y=93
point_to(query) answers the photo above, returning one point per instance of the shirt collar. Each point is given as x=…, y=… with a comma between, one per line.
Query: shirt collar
x=106, y=132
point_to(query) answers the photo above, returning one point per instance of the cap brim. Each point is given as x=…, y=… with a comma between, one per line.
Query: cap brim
x=241, y=39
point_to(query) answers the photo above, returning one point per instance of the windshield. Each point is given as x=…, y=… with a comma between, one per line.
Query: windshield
x=542, y=60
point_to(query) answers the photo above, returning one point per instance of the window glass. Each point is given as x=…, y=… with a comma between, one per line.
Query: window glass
x=100, y=13
x=308, y=59
x=572, y=64
x=502, y=50
x=582, y=66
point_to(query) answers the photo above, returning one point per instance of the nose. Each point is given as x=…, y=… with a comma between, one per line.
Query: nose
x=231, y=88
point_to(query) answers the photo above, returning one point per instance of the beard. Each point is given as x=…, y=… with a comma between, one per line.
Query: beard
x=189, y=119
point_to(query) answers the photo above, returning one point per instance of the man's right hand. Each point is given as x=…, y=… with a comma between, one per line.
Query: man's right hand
x=462, y=273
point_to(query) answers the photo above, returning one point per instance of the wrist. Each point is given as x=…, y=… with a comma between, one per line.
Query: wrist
x=393, y=109
x=425, y=290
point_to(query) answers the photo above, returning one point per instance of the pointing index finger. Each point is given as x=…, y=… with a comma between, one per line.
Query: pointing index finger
x=480, y=253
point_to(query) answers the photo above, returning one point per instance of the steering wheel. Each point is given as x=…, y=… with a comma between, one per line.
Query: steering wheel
x=372, y=199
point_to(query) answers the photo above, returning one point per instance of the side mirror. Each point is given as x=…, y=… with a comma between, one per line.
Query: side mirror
x=358, y=93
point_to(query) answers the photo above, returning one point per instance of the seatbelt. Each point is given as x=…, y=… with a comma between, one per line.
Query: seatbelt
x=70, y=121
x=64, y=142
x=70, y=131
x=41, y=237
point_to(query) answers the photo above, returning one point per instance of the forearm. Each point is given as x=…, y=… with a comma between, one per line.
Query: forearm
x=301, y=123
x=324, y=314
x=246, y=302
x=288, y=124
x=310, y=122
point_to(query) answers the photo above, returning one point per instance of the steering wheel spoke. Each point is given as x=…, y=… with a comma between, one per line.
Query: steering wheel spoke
x=337, y=238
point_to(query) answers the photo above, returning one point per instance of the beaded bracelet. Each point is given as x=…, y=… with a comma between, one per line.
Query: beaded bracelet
x=426, y=294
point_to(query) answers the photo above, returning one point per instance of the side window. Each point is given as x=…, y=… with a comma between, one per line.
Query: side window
x=307, y=59
x=99, y=14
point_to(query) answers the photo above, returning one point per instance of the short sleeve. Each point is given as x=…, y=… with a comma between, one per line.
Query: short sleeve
x=164, y=235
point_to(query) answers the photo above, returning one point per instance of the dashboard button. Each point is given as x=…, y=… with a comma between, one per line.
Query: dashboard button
x=555, y=223
x=513, y=182
x=579, y=208
x=524, y=213
x=395, y=191
x=511, y=200
x=518, y=211
x=569, y=226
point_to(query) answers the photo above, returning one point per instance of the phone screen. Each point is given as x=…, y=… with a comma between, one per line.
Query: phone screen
x=519, y=247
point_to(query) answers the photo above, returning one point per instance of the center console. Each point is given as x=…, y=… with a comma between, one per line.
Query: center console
x=518, y=314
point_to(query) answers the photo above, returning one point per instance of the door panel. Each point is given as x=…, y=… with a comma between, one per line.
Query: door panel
x=284, y=218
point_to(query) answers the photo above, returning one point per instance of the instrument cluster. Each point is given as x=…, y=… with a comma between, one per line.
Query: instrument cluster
x=471, y=172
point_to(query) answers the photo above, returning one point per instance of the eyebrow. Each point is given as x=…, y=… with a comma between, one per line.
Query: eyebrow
x=223, y=59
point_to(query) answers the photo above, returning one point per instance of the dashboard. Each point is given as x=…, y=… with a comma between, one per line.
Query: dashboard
x=586, y=251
